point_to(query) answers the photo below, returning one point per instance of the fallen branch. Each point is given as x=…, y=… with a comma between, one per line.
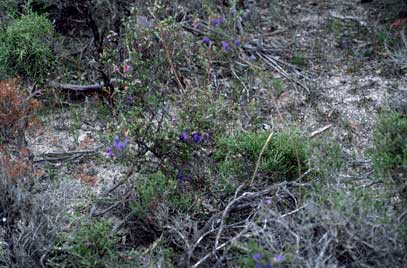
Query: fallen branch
x=61, y=156
x=319, y=131
x=80, y=88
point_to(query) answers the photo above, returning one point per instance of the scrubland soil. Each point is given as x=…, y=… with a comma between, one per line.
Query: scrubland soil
x=334, y=76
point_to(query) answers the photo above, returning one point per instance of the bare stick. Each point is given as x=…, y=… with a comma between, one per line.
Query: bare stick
x=259, y=158
x=319, y=131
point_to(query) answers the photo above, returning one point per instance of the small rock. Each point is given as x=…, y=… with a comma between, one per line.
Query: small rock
x=91, y=171
x=84, y=127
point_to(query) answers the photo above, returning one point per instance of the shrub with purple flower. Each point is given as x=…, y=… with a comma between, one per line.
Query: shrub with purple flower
x=216, y=33
x=262, y=261
x=217, y=21
x=197, y=137
x=183, y=180
x=118, y=147
x=191, y=150
x=252, y=58
x=225, y=45
x=109, y=152
x=206, y=40
x=184, y=136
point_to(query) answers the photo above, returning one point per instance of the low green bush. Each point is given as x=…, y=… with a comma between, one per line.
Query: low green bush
x=157, y=189
x=25, y=48
x=389, y=152
x=90, y=246
x=283, y=158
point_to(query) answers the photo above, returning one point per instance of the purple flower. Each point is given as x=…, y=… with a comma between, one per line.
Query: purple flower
x=225, y=45
x=109, y=152
x=206, y=40
x=237, y=42
x=129, y=98
x=278, y=258
x=180, y=177
x=116, y=141
x=184, y=137
x=256, y=256
x=259, y=265
x=196, y=137
x=121, y=145
x=217, y=21
x=118, y=146
x=252, y=58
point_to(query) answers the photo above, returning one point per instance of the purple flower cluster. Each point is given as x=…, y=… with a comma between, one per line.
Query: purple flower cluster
x=252, y=58
x=181, y=178
x=206, y=40
x=276, y=260
x=117, y=148
x=225, y=45
x=129, y=98
x=195, y=136
x=217, y=21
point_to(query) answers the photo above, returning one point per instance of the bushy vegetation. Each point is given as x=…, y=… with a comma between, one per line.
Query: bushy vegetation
x=193, y=132
x=25, y=48
x=20, y=210
x=284, y=158
x=389, y=157
x=157, y=190
x=90, y=245
x=16, y=113
x=389, y=154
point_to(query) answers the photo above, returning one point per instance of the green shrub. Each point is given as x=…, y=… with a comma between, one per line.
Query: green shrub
x=25, y=48
x=90, y=246
x=283, y=157
x=299, y=60
x=8, y=8
x=327, y=156
x=157, y=189
x=389, y=159
x=389, y=153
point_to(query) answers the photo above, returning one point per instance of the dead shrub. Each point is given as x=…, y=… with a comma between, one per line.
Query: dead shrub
x=21, y=221
x=16, y=112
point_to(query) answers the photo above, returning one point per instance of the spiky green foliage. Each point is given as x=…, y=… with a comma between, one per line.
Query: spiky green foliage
x=284, y=157
x=25, y=48
x=389, y=154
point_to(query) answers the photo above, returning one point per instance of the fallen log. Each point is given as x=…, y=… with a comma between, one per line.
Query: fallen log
x=79, y=88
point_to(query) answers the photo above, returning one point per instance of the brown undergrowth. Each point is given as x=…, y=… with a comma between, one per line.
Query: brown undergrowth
x=16, y=112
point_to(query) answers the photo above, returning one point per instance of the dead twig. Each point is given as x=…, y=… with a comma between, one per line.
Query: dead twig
x=319, y=131
x=260, y=156
x=62, y=156
x=80, y=88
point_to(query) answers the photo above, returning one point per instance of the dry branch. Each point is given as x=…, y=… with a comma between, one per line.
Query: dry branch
x=80, y=88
